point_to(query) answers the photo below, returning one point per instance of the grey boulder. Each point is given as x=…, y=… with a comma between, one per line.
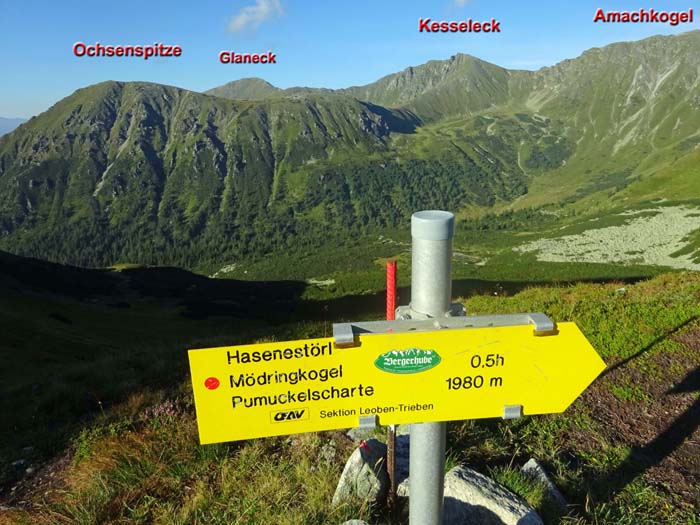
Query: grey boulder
x=470, y=498
x=474, y=499
x=364, y=477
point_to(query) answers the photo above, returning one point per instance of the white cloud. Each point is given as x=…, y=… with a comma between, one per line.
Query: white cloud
x=252, y=16
x=461, y=3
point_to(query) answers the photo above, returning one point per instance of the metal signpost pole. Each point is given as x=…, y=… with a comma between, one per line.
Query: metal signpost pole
x=431, y=291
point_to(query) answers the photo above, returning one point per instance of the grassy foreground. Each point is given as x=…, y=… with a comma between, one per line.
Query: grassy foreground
x=625, y=452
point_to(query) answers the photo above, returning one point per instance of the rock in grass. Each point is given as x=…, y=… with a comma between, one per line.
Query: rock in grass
x=364, y=477
x=403, y=488
x=471, y=498
x=354, y=522
x=533, y=470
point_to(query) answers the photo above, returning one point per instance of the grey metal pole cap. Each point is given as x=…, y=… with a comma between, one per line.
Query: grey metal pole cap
x=433, y=225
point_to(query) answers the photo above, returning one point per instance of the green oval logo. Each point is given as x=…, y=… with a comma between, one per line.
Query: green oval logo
x=409, y=361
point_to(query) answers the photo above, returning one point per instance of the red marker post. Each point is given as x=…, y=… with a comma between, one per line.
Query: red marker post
x=390, y=290
x=391, y=431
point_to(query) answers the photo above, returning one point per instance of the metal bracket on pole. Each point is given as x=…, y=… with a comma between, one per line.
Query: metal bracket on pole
x=368, y=422
x=345, y=333
x=543, y=324
x=512, y=411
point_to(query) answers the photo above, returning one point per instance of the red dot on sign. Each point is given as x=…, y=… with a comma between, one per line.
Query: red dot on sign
x=212, y=383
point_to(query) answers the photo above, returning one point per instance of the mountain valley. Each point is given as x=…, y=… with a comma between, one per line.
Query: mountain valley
x=151, y=174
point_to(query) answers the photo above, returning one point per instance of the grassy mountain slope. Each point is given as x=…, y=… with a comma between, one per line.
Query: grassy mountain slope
x=629, y=108
x=245, y=89
x=461, y=85
x=259, y=89
x=76, y=341
x=140, y=169
x=626, y=111
x=94, y=370
x=135, y=162
x=148, y=173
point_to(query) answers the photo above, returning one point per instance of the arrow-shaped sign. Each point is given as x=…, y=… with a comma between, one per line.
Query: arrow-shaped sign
x=278, y=388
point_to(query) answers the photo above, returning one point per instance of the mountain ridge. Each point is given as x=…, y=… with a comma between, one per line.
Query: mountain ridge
x=140, y=169
x=460, y=58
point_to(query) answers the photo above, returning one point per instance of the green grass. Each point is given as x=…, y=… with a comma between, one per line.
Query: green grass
x=629, y=393
x=137, y=460
x=77, y=342
x=528, y=489
x=630, y=329
x=145, y=465
x=79, y=359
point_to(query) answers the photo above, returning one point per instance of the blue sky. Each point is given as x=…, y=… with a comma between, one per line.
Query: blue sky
x=317, y=43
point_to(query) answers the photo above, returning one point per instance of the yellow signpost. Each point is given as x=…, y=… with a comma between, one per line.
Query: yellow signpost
x=278, y=388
